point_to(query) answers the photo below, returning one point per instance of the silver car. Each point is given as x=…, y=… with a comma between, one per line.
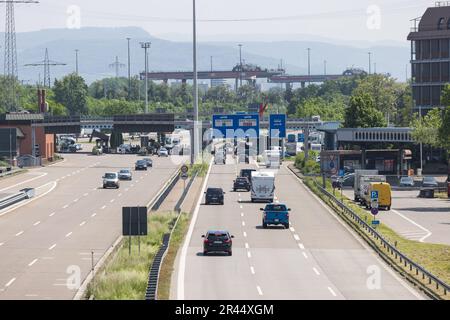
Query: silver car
x=125, y=174
x=111, y=180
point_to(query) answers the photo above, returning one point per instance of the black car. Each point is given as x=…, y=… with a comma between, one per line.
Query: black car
x=141, y=165
x=214, y=196
x=217, y=241
x=247, y=173
x=149, y=162
x=241, y=183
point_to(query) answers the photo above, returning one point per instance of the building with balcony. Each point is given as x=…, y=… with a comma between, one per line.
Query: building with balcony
x=430, y=56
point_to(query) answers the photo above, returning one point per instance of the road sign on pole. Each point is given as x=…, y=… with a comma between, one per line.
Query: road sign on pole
x=184, y=169
x=374, y=195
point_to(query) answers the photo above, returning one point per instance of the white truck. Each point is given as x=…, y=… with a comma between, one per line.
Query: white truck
x=357, y=187
x=263, y=186
x=272, y=159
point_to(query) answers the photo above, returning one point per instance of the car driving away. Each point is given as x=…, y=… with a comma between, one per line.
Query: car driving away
x=217, y=242
x=125, y=174
x=241, y=183
x=140, y=165
x=247, y=173
x=429, y=182
x=111, y=180
x=275, y=215
x=214, y=196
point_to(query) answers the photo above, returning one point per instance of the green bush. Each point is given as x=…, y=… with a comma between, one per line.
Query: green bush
x=311, y=167
x=300, y=160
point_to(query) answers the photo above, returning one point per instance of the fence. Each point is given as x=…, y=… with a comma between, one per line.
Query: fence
x=391, y=249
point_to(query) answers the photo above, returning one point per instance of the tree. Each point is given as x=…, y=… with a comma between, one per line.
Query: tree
x=362, y=113
x=444, y=129
x=426, y=128
x=383, y=91
x=72, y=92
x=333, y=110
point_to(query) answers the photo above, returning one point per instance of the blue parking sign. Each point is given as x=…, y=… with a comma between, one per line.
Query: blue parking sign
x=374, y=195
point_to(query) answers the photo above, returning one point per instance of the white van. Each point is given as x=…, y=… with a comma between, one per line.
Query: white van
x=263, y=186
x=272, y=159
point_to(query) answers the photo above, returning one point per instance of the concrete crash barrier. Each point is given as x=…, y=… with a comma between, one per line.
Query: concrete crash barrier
x=24, y=194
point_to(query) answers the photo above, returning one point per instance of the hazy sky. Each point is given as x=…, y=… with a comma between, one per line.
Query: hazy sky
x=343, y=19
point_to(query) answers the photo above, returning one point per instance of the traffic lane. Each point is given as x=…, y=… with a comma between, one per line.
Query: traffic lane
x=418, y=219
x=53, y=237
x=219, y=277
x=348, y=263
x=281, y=269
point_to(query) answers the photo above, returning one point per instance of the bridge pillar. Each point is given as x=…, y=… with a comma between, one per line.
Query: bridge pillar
x=236, y=85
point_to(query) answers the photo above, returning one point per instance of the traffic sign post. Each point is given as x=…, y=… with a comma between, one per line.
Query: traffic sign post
x=184, y=176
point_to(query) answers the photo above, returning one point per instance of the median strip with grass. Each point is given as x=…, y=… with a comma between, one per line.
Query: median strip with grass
x=433, y=257
x=125, y=277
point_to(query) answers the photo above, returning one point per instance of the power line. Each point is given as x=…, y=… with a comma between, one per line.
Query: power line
x=10, y=59
x=117, y=65
x=46, y=63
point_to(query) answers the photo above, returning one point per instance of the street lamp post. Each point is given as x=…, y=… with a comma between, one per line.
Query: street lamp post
x=309, y=65
x=370, y=62
x=146, y=46
x=76, y=61
x=195, y=150
x=240, y=63
x=129, y=70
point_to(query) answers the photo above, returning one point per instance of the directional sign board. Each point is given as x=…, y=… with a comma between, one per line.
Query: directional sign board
x=134, y=221
x=236, y=125
x=301, y=137
x=277, y=126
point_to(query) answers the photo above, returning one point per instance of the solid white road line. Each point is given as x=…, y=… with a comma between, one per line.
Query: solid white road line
x=23, y=182
x=32, y=262
x=10, y=282
x=52, y=247
x=296, y=237
x=252, y=270
x=428, y=232
x=182, y=265
x=83, y=223
x=36, y=223
x=33, y=199
x=316, y=271
x=259, y=290
x=332, y=292
x=19, y=233
x=69, y=234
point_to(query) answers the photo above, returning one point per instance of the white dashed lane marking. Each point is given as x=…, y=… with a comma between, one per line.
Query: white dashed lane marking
x=32, y=262
x=52, y=247
x=36, y=223
x=19, y=233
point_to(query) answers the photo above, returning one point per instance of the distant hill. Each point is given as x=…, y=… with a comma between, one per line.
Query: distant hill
x=98, y=48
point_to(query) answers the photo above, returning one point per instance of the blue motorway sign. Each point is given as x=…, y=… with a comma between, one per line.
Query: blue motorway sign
x=236, y=125
x=301, y=137
x=277, y=126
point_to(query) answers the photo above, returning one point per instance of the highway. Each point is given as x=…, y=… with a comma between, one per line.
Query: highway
x=424, y=220
x=46, y=243
x=317, y=258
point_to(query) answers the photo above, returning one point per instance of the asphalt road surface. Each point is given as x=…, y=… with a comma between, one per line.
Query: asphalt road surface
x=318, y=258
x=46, y=243
x=424, y=220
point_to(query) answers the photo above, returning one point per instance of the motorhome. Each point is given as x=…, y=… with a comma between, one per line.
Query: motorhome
x=263, y=186
x=358, y=175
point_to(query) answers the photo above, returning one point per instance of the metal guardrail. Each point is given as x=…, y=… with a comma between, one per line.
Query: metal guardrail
x=155, y=206
x=153, y=279
x=391, y=249
x=16, y=198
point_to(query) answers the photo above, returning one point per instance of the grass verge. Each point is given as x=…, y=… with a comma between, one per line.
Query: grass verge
x=168, y=265
x=433, y=257
x=125, y=277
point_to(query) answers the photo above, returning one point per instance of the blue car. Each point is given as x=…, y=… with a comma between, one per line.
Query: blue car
x=276, y=214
